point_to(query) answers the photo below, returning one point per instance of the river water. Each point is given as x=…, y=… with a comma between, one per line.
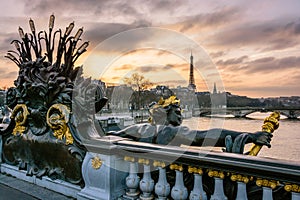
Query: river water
x=285, y=142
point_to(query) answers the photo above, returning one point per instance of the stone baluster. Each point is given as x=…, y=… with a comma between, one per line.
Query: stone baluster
x=267, y=186
x=147, y=183
x=0, y=148
x=162, y=187
x=197, y=192
x=179, y=191
x=294, y=189
x=241, y=185
x=295, y=196
x=219, y=189
x=132, y=180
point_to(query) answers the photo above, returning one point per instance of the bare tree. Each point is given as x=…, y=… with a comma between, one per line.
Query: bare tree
x=139, y=84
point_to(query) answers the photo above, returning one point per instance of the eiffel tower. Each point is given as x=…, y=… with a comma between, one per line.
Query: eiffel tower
x=191, y=85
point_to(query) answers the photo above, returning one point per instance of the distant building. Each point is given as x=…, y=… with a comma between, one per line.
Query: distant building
x=215, y=89
x=119, y=97
x=191, y=85
x=187, y=97
x=218, y=99
x=163, y=91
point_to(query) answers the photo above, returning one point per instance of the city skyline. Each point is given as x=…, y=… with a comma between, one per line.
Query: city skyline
x=254, y=45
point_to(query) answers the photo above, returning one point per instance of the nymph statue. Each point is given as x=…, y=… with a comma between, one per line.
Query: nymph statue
x=165, y=128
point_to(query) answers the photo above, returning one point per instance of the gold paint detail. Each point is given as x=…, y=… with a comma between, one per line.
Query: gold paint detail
x=19, y=114
x=239, y=178
x=143, y=161
x=271, y=123
x=96, y=163
x=195, y=170
x=166, y=102
x=159, y=164
x=57, y=119
x=216, y=174
x=292, y=188
x=267, y=183
x=129, y=159
x=162, y=103
x=176, y=167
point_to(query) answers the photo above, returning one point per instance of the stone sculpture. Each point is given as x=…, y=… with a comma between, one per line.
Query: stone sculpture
x=43, y=134
x=165, y=128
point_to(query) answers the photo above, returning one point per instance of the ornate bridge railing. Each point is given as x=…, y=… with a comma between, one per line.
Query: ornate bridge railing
x=146, y=171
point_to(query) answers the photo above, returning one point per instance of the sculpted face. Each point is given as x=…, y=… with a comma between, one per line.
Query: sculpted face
x=174, y=116
x=166, y=112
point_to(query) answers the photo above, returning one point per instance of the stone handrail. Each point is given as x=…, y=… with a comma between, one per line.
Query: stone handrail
x=147, y=171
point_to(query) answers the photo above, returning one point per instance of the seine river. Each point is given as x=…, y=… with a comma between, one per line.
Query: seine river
x=285, y=143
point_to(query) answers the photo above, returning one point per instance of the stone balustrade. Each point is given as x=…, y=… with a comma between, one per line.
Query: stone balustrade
x=165, y=172
x=116, y=168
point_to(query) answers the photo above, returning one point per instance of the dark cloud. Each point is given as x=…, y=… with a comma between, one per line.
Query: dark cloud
x=165, y=5
x=145, y=69
x=183, y=66
x=217, y=54
x=268, y=65
x=79, y=7
x=98, y=32
x=214, y=19
x=267, y=35
x=233, y=61
x=261, y=65
x=125, y=67
x=169, y=66
x=6, y=39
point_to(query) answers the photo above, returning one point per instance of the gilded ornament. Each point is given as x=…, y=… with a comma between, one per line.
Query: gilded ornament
x=129, y=159
x=292, y=188
x=159, y=164
x=195, y=170
x=271, y=123
x=143, y=161
x=239, y=178
x=216, y=174
x=176, y=167
x=19, y=114
x=267, y=183
x=57, y=119
x=163, y=103
x=96, y=162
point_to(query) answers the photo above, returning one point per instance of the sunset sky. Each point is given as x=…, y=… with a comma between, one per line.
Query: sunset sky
x=253, y=47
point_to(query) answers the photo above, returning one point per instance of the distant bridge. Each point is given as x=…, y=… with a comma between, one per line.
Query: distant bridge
x=291, y=112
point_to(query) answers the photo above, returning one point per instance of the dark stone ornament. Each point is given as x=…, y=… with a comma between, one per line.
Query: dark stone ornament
x=42, y=136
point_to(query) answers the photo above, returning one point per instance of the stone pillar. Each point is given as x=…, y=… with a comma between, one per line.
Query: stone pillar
x=1, y=149
x=219, y=188
x=267, y=186
x=197, y=192
x=267, y=193
x=295, y=196
x=147, y=183
x=104, y=177
x=132, y=180
x=162, y=187
x=241, y=191
x=241, y=185
x=179, y=191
